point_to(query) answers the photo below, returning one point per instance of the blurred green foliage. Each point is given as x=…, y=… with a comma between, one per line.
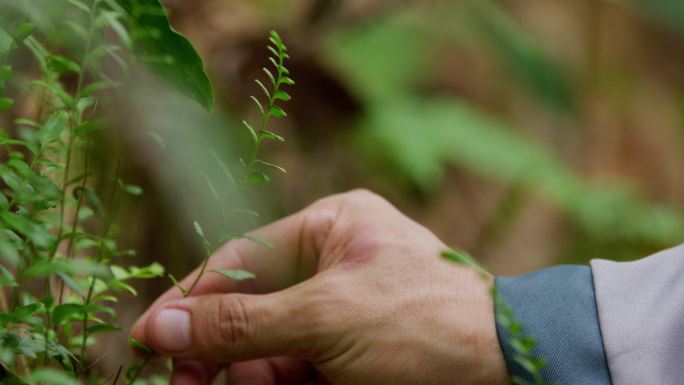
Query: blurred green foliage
x=419, y=134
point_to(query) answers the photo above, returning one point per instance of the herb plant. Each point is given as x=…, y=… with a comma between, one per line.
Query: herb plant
x=62, y=268
x=252, y=172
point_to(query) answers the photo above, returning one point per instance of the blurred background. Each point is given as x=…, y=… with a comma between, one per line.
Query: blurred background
x=528, y=133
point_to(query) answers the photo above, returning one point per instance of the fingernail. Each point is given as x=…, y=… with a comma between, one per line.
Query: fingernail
x=172, y=330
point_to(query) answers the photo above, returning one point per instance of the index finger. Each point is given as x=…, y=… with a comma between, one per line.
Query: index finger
x=296, y=242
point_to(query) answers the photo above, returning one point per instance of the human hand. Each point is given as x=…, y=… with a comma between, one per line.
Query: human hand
x=354, y=293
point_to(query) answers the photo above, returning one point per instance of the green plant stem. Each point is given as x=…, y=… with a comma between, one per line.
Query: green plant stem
x=100, y=257
x=267, y=113
x=135, y=376
x=118, y=374
x=70, y=244
x=203, y=268
x=75, y=123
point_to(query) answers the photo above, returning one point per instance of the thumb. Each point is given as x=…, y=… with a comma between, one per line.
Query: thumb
x=231, y=327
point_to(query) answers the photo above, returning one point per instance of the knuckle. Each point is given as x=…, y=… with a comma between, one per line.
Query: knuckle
x=231, y=322
x=363, y=193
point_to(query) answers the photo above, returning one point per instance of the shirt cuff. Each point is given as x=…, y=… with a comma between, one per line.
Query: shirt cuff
x=557, y=308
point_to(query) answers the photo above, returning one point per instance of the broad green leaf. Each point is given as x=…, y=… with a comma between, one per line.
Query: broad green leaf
x=72, y=284
x=57, y=91
x=23, y=314
x=22, y=31
x=63, y=312
x=6, y=277
x=36, y=233
x=258, y=178
x=104, y=328
x=152, y=271
x=166, y=52
x=235, y=275
x=5, y=73
x=46, y=267
x=59, y=64
x=420, y=137
x=51, y=376
x=5, y=104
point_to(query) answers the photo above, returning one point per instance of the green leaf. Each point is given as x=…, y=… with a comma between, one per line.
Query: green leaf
x=60, y=64
x=53, y=127
x=22, y=31
x=137, y=345
x=463, y=258
x=6, y=277
x=23, y=314
x=282, y=95
x=200, y=232
x=177, y=284
x=5, y=73
x=56, y=90
x=258, y=103
x=259, y=241
x=275, y=166
x=104, y=328
x=263, y=88
x=235, y=275
x=271, y=135
x=276, y=111
x=80, y=5
x=5, y=104
x=91, y=197
x=72, y=284
x=63, y=312
x=251, y=130
x=287, y=80
x=47, y=266
x=270, y=76
x=51, y=376
x=277, y=40
x=166, y=52
x=133, y=189
x=152, y=271
x=258, y=178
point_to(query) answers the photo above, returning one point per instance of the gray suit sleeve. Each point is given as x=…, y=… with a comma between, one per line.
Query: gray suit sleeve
x=641, y=315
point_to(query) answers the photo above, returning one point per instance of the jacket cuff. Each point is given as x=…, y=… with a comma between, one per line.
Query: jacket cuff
x=557, y=308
